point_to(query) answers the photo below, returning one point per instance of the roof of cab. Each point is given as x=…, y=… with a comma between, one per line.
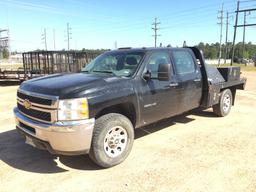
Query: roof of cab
x=145, y=49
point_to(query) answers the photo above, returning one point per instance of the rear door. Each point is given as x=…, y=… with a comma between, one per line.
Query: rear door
x=189, y=79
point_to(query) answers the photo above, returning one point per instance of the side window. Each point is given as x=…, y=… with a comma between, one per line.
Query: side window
x=156, y=59
x=184, y=62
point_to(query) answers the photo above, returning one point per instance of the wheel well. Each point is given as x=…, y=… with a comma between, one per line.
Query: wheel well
x=233, y=91
x=126, y=109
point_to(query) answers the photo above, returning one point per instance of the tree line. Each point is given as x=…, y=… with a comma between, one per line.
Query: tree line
x=5, y=53
x=211, y=51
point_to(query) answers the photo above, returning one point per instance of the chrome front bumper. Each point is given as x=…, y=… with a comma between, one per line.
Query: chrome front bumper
x=68, y=138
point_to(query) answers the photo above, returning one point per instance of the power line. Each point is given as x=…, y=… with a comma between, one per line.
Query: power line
x=195, y=11
x=180, y=17
x=185, y=13
x=190, y=11
x=44, y=7
x=155, y=29
x=34, y=7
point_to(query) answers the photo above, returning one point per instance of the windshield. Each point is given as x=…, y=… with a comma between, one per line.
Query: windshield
x=116, y=63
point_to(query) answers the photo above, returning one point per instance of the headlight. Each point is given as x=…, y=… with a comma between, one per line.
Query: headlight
x=73, y=109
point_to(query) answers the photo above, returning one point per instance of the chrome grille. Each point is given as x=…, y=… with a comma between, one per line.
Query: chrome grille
x=41, y=101
x=43, y=107
x=45, y=116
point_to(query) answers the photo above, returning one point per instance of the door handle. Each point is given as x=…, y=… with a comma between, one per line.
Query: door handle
x=173, y=84
x=197, y=80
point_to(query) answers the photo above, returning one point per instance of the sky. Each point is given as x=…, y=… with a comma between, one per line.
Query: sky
x=97, y=24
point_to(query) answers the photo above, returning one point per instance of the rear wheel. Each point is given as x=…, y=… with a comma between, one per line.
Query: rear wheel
x=112, y=140
x=224, y=106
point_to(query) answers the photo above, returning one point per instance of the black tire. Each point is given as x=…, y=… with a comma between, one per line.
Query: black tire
x=103, y=127
x=221, y=109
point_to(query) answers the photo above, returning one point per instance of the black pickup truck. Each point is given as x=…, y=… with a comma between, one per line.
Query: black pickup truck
x=96, y=111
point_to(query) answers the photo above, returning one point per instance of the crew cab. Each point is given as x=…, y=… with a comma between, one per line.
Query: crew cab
x=96, y=111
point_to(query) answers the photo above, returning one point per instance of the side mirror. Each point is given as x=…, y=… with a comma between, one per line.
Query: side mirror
x=147, y=75
x=164, y=72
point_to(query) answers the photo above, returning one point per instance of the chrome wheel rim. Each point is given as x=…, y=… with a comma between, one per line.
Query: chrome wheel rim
x=226, y=103
x=115, y=141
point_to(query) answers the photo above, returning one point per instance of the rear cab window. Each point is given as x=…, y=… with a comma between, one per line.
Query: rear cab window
x=184, y=62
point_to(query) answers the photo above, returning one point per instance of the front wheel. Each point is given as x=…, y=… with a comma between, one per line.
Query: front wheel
x=224, y=106
x=112, y=140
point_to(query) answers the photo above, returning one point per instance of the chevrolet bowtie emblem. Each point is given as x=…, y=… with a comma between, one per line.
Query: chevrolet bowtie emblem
x=27, y=104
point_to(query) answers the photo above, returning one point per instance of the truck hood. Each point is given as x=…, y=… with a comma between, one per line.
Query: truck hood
x=66, y=85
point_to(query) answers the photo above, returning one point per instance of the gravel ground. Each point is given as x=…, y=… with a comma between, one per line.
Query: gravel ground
x=193, y=152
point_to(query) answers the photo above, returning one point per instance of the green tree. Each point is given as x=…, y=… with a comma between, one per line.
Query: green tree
x=211, y=51
x=5, y=53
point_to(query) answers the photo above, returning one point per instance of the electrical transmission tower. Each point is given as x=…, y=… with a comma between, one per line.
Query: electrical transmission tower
x=68, y=35
x=44, y=39
x=4, y=41
x=244, y=25
x=155, y=29
x=221, y=27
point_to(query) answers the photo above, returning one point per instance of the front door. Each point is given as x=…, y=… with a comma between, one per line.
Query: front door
x=158, y=99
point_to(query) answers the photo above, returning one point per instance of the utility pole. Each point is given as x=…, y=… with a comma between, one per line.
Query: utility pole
x=226, y=42
x=155, y=28
x=245, y=15
x=221, y=27
x=68, y=34
x=44, y=40
x=235, y=28
x=54, y=45
x=115, y=44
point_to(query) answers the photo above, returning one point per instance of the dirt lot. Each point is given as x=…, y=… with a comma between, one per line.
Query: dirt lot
x=193, y=152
